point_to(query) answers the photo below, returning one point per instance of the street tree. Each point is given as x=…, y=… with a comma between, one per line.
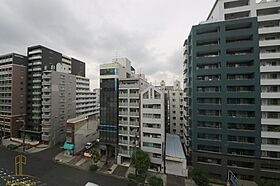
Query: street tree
x=140, y=161
x=200, y=178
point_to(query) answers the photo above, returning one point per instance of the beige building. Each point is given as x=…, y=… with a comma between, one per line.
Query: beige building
x=79, y=131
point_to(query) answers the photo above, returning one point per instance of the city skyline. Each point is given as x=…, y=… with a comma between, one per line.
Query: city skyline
x=149, y=33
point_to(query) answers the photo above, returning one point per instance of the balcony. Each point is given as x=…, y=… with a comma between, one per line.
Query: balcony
x=45, y=137
x=135, y=85
x=270, y=68
x=268, y=134
x=272, y=42
x=275, y=55
x=134, y=95
x=123, y=113
x=35, y=57
x=268, y=147
x=123, y=95
x=46, y=83
x=270, y=108
x=123, y=104
x=270, y=95
x=36, y=51
x=267, y=30
x=132, y=104
x=123, y=142
x=270, y=82
x=134, y=113
x=123, y=132
x=46, y=116
x=46, y=110
x=125, y=153
x=134, y=123
x=123, y=122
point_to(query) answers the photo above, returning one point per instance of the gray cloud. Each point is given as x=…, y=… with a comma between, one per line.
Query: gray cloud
x=150, y=33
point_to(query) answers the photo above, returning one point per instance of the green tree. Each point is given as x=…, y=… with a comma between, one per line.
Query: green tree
x=95, y=155
x=140, y=161
x=270, y=183
x=200, y=178
x=155, y=181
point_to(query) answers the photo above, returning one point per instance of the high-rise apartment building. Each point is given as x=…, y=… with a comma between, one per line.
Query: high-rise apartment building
x=109, y=108
x=41, y=59
x=96, y=101
x=129, y=116
x=232, y=84
x=175, y=108
x=153, y=126
x=58, y=105
x=84, y=97
x=13, y=71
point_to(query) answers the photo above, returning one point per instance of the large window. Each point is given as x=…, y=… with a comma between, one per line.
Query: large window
x=109, y=71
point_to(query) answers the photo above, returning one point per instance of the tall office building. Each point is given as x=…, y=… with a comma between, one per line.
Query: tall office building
x=42, y=59
x=129, y=116
x=58, y=105
x=175, y=110
x=109, y=95
x=233, y=89
x=153, y=126
x=13, y=71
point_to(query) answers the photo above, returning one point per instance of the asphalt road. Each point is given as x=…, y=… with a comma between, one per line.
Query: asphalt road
x=50, y=173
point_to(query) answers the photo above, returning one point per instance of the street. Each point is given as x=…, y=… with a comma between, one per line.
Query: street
x=49, y=173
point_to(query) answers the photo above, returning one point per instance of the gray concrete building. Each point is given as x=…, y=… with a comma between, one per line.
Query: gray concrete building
x=42, y=59
x=58, y=105
x=96, y=101
x=175, y=108
x=84, y=97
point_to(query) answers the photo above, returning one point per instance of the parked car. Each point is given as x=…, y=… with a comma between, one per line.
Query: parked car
x=91, y=184
x=88, y=145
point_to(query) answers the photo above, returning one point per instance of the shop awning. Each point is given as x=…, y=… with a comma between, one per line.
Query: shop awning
x=68, y=146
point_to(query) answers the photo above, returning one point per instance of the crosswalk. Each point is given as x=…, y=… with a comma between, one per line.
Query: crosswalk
x=7, y=176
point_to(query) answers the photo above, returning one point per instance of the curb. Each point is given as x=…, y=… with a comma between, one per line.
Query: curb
x=97, y=172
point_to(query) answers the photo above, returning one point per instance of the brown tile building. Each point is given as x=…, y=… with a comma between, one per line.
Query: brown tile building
x=13, y=72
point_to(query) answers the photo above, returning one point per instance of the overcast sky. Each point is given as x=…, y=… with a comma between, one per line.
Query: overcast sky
x=149, y=32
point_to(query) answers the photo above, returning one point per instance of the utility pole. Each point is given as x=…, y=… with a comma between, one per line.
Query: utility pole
x=24, y=132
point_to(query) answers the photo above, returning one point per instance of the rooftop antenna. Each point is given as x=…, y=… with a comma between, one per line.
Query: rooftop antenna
x=117, y=55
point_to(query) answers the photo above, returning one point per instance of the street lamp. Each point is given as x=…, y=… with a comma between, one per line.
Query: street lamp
x=23, y=121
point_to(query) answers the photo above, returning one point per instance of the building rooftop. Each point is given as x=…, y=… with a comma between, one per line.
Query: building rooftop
x=77, y=119
x=174, y=147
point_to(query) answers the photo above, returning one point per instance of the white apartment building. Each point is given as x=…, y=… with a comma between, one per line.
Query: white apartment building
x=96, y=101
x=268, y=15
x=175, y=105
x=58, y=105
x=129, y=116
x=153, y=126
x=84, y=97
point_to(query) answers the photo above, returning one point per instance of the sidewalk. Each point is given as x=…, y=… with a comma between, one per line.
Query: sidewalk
x=30, y=150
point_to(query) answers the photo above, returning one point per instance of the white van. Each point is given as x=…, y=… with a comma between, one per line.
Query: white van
x=91, y=184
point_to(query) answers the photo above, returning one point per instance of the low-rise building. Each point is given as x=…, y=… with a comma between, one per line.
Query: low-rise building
x=175, y=159
x=79, y=131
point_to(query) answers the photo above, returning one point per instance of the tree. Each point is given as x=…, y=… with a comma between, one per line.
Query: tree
x=270, y=183
x=140, y=161
x=95, y=155
x=200, y=178
x=155, y=181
